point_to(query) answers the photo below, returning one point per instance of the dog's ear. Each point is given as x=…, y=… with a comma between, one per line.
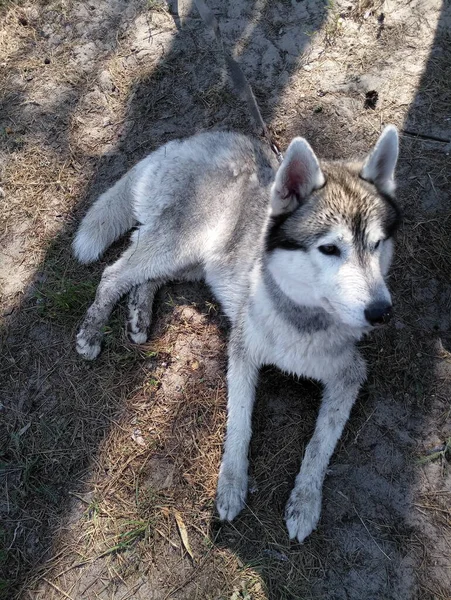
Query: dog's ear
x=298, y=175
x=379, y=167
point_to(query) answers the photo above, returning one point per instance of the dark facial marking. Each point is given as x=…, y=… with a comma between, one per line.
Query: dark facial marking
x=276, y=236
x=351, y=205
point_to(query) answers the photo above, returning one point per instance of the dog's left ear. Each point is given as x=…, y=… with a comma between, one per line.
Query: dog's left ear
x=379, y=167
x=297, y=177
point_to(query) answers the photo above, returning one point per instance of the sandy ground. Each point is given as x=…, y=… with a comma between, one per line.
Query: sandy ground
x=108, y=470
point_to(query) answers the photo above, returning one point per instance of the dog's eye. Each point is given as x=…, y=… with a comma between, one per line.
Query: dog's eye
x=330, y=250
x=377, y=244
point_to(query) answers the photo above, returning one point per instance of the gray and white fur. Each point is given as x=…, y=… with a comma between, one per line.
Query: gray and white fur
x=296, y=255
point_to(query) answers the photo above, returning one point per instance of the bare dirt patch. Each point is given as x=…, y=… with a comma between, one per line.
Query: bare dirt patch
x=108, y=470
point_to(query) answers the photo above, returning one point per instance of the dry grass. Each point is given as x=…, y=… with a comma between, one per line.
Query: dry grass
x=108, y=469
x=365, y=8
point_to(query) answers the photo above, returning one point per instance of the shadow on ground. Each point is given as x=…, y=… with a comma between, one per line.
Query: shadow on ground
x=386, y=499
x=83, y=510
x=58, y=411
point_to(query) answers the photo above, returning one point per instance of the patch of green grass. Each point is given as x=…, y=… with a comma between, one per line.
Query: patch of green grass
x=48, y=494
x=93, y=510
x=64, y=297
x=334, y=24
x=129, y=537
x=4, y=587
x=171, y=302
x=444, y=453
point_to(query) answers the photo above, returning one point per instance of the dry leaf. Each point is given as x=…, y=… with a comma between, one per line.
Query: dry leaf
x=24, y=429
x=183, y=532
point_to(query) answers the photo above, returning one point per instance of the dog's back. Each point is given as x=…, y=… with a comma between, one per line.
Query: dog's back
x=205, y=200
x=214, y=179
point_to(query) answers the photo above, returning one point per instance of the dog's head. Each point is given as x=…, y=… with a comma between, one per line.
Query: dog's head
x=330, y=237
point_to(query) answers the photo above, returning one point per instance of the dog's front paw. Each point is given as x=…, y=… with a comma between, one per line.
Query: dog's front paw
x=302, y=513
x=88, y=344
x=137, y=337
x=231, y=495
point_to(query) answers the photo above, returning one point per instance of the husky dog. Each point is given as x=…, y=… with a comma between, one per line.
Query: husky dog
x=296, y=254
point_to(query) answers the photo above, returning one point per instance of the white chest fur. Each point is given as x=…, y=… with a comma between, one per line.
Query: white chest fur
x=315, y=350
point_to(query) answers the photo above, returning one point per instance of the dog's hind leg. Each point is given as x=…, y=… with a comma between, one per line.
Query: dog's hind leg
x=142, y=261
x=140, y=303
x=117, y=280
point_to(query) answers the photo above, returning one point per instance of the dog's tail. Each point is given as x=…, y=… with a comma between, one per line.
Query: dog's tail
x=109, y=217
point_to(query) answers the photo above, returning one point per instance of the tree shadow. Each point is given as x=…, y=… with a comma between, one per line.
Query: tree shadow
x=387, y=490
x=59, y=412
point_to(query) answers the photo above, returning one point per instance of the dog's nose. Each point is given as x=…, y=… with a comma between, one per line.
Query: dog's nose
x=378, y=313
